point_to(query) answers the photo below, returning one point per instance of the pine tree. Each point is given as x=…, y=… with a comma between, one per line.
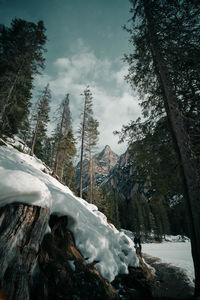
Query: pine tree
x=64, y=146
x=108, y=204
x=91, y=141
x=69, y=175
x=21, y=57
x=42, y=119
x=161, y=221
x=48, y=151
x=166, y=35
x=89, y=134
x=63, y=127
x=178, y=224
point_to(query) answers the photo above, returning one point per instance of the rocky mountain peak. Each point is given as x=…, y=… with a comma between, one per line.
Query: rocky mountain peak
x=106, y=152
x=103, y=162
x=107, y=149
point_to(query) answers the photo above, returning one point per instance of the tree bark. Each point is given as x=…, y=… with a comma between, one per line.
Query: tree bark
x=82, y=149
x=22, y=229
x=62, y=164
x=63, y=131
x=58, y=145
x=189, y=168
x=35, y=135
x=91, y=172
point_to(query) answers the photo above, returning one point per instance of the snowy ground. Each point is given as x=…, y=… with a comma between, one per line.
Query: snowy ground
x=22, y=179
x=176, y=253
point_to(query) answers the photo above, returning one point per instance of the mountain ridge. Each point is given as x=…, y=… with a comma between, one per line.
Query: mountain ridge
x=103, y=162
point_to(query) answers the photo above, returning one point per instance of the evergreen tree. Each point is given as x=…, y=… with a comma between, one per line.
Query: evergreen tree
x=69, y=175
x=97, y=197
x=64, y=146
x=89, y=134
x=24, y=131
x=177, y=219
x=161, y=221
x=62, y=129
x=48, y=151
x=26, y=127
x=67, y=169
x=21, y=57
x=42, y=119
x=166, y=35
x=91, y=141
x=108, y=201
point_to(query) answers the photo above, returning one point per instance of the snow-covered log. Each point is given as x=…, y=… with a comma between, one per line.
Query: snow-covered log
x=22, y=229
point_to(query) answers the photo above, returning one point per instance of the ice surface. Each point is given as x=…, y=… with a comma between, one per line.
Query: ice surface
x=22, y=180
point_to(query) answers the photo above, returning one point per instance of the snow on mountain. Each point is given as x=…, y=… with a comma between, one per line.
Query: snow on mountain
x=23, y=180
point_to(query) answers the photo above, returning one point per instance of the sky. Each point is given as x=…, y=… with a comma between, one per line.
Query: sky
x=85, y=47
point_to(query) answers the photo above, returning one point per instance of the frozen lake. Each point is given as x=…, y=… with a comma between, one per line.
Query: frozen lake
x=176, y=253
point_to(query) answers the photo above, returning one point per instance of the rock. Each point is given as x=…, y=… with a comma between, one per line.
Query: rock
x=122, y=178
x=22, y=228
x=65, y=272
x=49, y=267
x=103, y=162
x=138, y=284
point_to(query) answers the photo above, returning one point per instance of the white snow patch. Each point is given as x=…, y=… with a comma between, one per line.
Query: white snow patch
x=22, y=180
x=19, y=186
x=72, y=265
x=177, y=254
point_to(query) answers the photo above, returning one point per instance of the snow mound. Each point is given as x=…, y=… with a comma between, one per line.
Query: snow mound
x=18, y=186
x=22, y=180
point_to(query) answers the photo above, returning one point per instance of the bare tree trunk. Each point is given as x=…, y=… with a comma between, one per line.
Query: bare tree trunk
x=55, y=170
x=35, y=135
x=91, y=172
x=62, y=165
x=28, y=131
x=82, y=149
x=21, y=232
x=189, y=168
x=59, y=141
x=25, y=140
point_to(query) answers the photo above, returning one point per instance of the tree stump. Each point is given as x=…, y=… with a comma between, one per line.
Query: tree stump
x=22, y=229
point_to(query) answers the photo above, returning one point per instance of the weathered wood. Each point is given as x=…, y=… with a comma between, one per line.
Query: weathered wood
x=22, y=229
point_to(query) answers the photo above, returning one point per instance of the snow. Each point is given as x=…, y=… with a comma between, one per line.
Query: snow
x=23, y=180
x=24, y=188
x=72, y=265
x=175, y=253
x=175, y=250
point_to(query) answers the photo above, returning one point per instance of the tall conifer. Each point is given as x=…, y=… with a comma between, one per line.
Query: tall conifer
x=42, y=119
x=89, y=134
x=21, y=57
x=164, y=67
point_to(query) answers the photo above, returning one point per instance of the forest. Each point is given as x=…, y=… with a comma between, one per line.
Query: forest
x=164, y=143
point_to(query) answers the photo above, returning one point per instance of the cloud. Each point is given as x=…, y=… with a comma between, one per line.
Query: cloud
x=114, y=102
